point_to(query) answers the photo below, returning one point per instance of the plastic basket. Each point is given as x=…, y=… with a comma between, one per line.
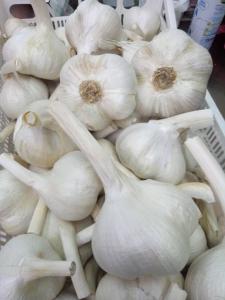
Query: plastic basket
x=214, y=136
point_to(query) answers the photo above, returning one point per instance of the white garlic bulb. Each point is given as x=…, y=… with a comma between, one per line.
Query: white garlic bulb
x=98, y=89
x=17, y=203
x=205, y=276
x=38, y=139
x=18, y=91
x=36, y=51
x=145, y=288
x=14, y=25
x=30, y=269
x=198, y=243
x=153, y=150
x=143, y=21
x=160, y=216
x=173, y=73
x=90, y=23
x=70, y=189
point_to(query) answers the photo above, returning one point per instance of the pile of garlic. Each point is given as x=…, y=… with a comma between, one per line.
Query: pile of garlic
x=107, y=185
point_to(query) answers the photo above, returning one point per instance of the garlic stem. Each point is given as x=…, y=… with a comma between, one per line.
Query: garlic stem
x=105, y=132
x=198, y=190
x=194, y=120
x=102, y=164
x=70, y=247
x=35, y=268
x=26, y=176
x=175, y=292
x=41, y=13
x=7, y=131
x=38, y=218
x=210, y=167
x=85, y=235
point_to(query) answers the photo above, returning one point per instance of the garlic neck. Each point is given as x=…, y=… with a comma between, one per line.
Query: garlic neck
x=90, y=91
x=164, y=78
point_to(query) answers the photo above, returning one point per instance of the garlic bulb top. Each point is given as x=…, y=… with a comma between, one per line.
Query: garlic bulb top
x=90, y=23
x=144, y=21
x=173, y=73
x=36, y=50
x=17, y=204
x=205, y=276
x=98, y=89
x=30, y=269
x=160, y=216
x=70, y=189
x=145, y=288
x=37, y=137
x=13, y=26
x=18, y=91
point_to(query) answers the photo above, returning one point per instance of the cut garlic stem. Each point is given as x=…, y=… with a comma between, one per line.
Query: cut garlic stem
x=41, y=13
x=7, y=131
x=105, y=132
x=194, y=120
x=103, y=166
x=198, y=190
x=38, y=218
x=211, y=168
x=35, y=268
x=26, y=176
x=70, y=247
x=84, y=236
x=175, y=292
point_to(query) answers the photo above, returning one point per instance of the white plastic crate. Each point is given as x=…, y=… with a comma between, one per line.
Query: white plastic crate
x=214, y=137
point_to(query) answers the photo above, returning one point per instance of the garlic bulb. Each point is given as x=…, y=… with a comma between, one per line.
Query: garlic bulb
x=30, y=269
x=204, y=279
x=153, y=150
x=90, y=23
x=38, y=139
x=17, y=203
x=18, y=91
x=198, y=243
x=160, y=216
x=172, y=76
x=98, y=89
x=145, y=288
x=14, y=25
x=36, y=51
x=143, y=21
x=70, y=189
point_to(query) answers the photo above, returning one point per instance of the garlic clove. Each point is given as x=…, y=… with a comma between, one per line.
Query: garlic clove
x=96, y=21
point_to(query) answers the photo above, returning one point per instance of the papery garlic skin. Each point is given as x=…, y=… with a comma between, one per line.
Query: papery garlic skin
x=17, y=204
x=152, y=151
x=172, y=76
x=204, y=279
x=12, y=255
x=98, y=89
x=40, y=141
x=145, y=288
x=18, y=91
x=144, y=21
x=198, y=243
x=36, y=51
x=90, y=23
x=14, y=25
